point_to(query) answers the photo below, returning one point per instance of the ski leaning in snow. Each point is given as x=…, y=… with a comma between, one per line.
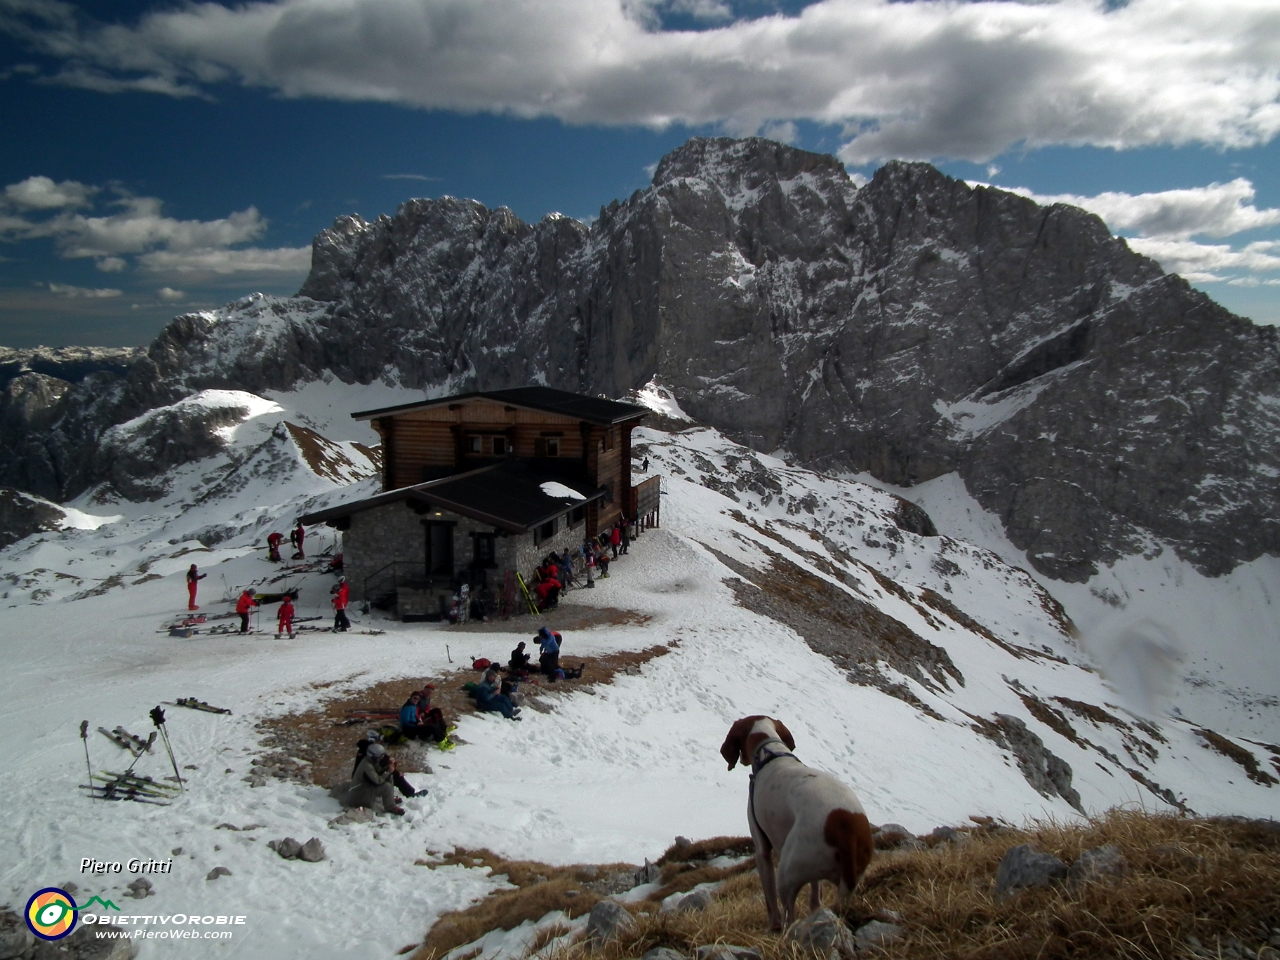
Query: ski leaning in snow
x=121, y=741
x=137, y=741
x=193, y=704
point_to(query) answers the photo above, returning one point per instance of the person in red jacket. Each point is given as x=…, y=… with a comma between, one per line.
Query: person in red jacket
x=243, y=606
x=284, y=618
x=296, y=537
x=274, y=539
x=193, y=577
x=340, y=593
x=615, y=538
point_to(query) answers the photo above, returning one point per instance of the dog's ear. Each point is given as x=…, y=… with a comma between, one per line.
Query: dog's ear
x=785, y=734
x=731, y=749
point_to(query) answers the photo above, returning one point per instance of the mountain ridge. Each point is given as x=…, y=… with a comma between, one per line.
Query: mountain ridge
x=908, y=328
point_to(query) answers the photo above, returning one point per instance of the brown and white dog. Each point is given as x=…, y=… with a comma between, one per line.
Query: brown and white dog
x=814, y=821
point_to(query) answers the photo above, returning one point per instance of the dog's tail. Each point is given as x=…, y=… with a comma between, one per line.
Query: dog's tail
x=849, y=834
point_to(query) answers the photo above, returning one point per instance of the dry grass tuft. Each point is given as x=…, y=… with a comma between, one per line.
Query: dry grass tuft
x=540, y=889
x=1217, y=881
x=685, y=853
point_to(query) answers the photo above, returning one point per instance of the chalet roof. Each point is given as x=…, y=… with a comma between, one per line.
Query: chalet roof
x=576, y=405
x=511, y=494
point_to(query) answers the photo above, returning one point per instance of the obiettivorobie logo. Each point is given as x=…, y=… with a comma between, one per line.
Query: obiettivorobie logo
x=52, y=913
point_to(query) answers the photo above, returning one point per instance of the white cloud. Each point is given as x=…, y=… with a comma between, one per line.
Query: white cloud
x=138, y=226
x=41, y=193
x=1218, y=210
x=408, y=176
x=1206, y=263
x=930, y=78
x=170, y=294
x=226, y=262
x=83, y=293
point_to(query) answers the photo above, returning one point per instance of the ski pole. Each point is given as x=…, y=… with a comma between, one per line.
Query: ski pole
x=157, y=717
x=146, y=749
x=446, y=653
x=84, y=735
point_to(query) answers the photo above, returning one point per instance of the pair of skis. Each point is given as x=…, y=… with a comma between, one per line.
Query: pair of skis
x=193, y=704
x=129, y=786
x=127, y=741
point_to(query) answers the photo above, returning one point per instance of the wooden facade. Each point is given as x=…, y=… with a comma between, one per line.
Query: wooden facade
x=433, y=440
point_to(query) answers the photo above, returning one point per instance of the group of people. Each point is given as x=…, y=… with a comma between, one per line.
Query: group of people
x=419, y=720
x=339, y=595
x=556, y=572
x=297, y=536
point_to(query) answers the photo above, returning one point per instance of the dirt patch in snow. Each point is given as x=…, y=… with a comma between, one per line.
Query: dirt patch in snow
x=319, y=745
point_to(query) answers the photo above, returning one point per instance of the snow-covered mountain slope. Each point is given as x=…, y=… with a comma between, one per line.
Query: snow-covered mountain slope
x=936, y=679
x=913, y=327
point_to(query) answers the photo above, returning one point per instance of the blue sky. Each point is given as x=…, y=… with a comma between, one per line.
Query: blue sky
x=160, y=158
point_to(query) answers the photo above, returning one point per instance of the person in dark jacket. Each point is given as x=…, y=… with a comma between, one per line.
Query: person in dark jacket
x=520, y=661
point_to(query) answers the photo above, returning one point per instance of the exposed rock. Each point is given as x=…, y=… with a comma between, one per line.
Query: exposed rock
x=663, y=953
x=608, y=919
x=15, y=938
x=876, y=933
x=1048, y=774
x=695, y=902
x=85, y=944
x=728, y=951
x=1098, y=863
x=140, y=889
x=354, y=815
x=312, y=851
x=649, y=873
x=891, y=836
x=910, y=328
x=288, y=848
x=217, y=872
x=22, y=514
x=1024, y=866
x=825, y=934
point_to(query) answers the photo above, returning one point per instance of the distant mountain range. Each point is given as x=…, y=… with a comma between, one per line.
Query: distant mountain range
x=909, y=328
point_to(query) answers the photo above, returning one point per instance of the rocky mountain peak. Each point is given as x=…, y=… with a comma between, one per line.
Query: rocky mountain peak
x=738, y=165
x=916, y=327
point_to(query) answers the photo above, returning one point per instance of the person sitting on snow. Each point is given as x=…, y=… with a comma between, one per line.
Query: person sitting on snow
x=362, y=748
x=431, y=722
x=520, y=661
x=490, y=699
x=373, y=781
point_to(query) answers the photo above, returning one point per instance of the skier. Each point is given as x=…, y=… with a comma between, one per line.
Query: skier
x=284, y=618
x=274, y=540
x=296, y=537
x=193, y=577
x=243, y=606
x=340, y=593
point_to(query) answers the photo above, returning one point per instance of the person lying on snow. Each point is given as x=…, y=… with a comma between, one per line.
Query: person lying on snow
x=489, y=697
x=362, y=748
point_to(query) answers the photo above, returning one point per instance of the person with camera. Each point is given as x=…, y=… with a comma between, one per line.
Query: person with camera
x=374, y=780
x=362, y=749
